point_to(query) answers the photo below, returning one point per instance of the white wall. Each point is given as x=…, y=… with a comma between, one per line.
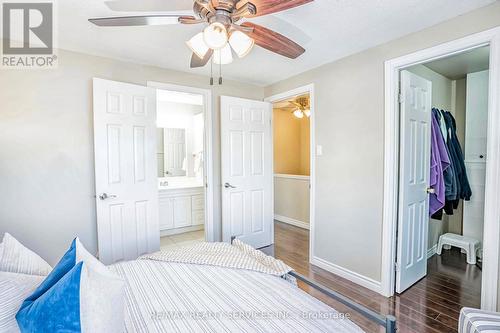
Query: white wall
x=349, y=108
x=46, y=146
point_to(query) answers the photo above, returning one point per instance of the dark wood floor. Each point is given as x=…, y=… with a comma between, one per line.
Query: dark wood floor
x=431, y=305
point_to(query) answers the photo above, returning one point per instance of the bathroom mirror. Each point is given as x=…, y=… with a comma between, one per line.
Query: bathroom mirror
x=180, y=139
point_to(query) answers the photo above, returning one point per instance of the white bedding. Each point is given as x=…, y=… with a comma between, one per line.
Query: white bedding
x=14, y=289
x=179, y=297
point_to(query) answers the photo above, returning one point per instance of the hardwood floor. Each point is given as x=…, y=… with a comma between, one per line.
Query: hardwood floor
x=431, y=305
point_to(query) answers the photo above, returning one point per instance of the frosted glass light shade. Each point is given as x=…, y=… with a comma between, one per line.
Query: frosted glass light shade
x=198, y=45
x=241, y=43
x=298, y=113
x=223, y=56
x=215, y=36
x=307, y=112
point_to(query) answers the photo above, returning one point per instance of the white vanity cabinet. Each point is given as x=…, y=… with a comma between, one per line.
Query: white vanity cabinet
x=181, y=208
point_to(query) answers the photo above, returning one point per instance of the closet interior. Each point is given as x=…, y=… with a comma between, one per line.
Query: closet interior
x=459, y=144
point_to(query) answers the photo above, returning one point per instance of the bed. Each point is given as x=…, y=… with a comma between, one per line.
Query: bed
x=208, y=287
x=197, y=293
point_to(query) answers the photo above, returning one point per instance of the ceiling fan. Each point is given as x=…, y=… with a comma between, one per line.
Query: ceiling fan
x=223, y=34
x=299, y=106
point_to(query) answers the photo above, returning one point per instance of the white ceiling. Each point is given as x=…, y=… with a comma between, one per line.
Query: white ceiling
x=328, y=29
x=458, y=66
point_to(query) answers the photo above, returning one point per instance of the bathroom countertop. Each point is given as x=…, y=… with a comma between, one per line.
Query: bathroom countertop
x=175, y=183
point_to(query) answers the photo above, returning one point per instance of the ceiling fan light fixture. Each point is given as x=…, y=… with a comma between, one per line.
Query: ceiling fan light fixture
x=223, y=56
x=241, y=43
x=198, y=45
x=298, y=113
x=215, y=36
x=307, y=112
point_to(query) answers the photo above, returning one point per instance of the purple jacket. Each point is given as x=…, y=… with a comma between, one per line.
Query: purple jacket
x=440, y=161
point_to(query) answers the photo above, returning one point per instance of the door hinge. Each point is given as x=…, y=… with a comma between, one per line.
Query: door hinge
x=400, y=98
x=396, y=266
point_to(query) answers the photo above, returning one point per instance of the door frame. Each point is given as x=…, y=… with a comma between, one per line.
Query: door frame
x=491, y=238
x=208, y=147
x=307, y=89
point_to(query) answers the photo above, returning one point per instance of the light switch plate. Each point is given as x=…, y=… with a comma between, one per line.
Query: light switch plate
x=319, y=150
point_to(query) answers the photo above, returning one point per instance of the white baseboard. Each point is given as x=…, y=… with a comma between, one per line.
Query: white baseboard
x=176, y=231
x=357, y=278
x=289, y=220
x=432, y=251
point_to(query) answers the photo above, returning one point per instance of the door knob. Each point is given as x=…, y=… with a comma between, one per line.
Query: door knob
x=105, y=196
x=227, y=185
x=431, y=190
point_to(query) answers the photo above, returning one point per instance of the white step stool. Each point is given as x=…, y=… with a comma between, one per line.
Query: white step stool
x=467, y=244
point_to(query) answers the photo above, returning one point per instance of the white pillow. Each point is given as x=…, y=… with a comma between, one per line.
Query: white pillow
x=14, y=288
x=16, y=258
x=100, y=314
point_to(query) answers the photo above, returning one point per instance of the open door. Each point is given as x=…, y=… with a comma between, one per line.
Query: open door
x=247, y=175
x=413, y=219
x=125, y=170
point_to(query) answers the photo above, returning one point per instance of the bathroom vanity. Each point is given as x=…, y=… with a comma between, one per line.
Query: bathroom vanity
x=182, y=205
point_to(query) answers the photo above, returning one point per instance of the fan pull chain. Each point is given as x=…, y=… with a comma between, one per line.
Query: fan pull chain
x=211, y=73
x=220, y=68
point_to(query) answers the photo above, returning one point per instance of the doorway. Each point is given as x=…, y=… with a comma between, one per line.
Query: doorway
x=293, y=160
x=393, y=166
x=444, y=114
x=184, y=171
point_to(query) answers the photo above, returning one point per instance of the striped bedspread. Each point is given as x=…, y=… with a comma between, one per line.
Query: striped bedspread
x=478, y=321
x=180, y=297
x=236, y=255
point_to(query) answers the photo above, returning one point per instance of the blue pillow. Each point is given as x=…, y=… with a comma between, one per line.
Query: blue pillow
x=79, y=295
x=54, y=305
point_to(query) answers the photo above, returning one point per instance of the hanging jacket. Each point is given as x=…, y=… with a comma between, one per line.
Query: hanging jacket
x=450, y=181
x=439, y=163
x=457, y=159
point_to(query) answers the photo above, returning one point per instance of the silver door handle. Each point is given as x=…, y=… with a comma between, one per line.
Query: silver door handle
x=227, y=185
x=431, y=190
x=105, y=196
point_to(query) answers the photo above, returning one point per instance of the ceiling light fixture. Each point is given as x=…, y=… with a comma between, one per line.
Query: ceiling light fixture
x=298, y=113
x=215, y=35
x=198, y=45
x=223, y=56
x=241, y=43
x=307, y=112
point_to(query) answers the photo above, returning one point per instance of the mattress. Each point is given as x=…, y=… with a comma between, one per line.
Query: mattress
x=180, y=297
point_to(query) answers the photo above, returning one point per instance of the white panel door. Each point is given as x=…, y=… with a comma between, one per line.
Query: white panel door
x=413, y=220
x=175, y=151
x=125, y=170
x=247, y=175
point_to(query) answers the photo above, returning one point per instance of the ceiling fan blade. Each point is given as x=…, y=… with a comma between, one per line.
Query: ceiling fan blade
x=190, y=20
x=198, y=62
x=273, y=41
x=130, y=21
x=149, y=5
x=265, y=7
